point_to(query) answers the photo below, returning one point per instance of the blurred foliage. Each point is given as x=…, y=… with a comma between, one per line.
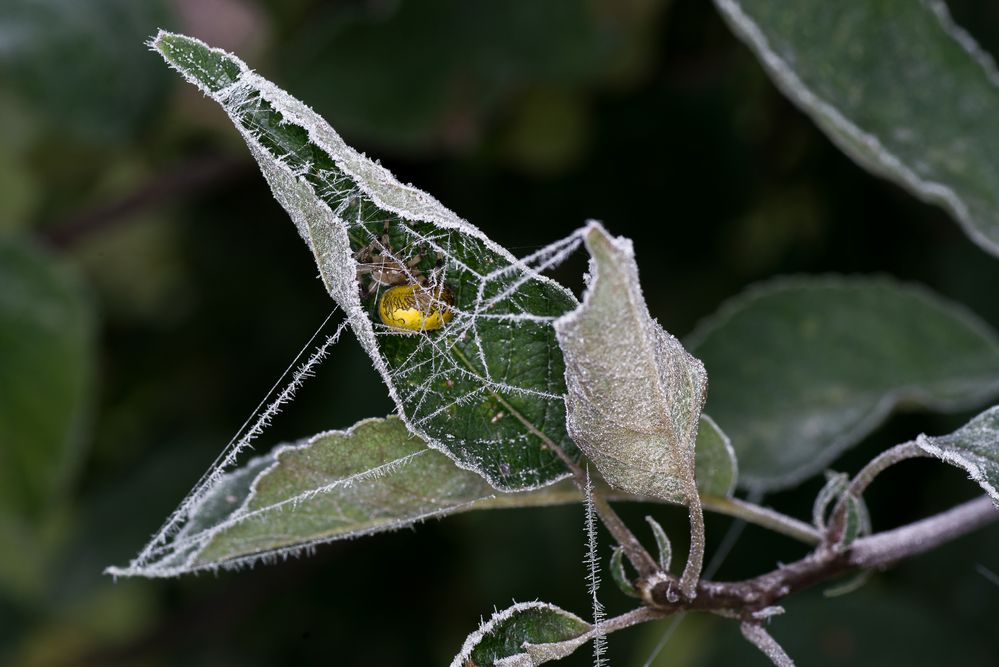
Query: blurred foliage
x=75, y=63
x=524, y=117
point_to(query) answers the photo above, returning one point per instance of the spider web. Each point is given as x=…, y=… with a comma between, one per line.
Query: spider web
x=488, y=388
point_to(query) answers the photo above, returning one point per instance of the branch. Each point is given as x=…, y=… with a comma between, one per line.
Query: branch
x=749, y=599
x=883, y=549
x=876, y=551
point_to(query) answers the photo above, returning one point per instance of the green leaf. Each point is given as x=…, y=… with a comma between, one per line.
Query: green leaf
x=60, y=55
x=663, y=545
x=373, y=477
x=801, y=369
x=897, y=86
x=635, y=395
x=832, y=490
x=524, y=635
x=620, y=576
x=973, y=447
x=487, y=388
x=858, y=521
x=46, y=377
x=717, y=468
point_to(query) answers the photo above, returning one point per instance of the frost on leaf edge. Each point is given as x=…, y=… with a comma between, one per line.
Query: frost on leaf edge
x=846, y=134
x=928, y=444
x=190, y=566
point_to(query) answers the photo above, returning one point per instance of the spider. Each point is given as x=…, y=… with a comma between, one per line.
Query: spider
x=413, y=302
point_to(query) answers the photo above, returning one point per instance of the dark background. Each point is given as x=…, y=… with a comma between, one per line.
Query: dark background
x=525, y=117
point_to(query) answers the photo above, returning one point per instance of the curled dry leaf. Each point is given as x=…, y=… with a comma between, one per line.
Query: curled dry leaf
x=634, y=393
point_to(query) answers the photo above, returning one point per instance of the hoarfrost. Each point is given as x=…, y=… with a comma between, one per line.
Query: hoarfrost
x=634, y=393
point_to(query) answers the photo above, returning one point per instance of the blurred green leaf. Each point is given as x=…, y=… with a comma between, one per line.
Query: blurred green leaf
x=530, y=633
x=973, y=447
x=417, y=75
x=46, y=381
x=803, y=368
x=82, y=64
x=898, y=86
x=46, y=376
x=487, y=387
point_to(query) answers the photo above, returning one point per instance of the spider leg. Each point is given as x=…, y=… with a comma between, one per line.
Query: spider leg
x=386, y=240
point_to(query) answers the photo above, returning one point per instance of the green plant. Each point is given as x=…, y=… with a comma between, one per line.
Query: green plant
x=506, y=404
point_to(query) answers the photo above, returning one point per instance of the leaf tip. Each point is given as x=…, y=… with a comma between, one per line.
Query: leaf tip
x=167, y=44
x=209, y=68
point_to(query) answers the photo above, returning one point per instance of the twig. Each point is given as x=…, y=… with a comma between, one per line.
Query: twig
x=763, y=517
x=628, y=619
x=916, y=538
x=757, y=635
x=640, y=559
x=695, y=555
x=863, y=479
x=177, y=182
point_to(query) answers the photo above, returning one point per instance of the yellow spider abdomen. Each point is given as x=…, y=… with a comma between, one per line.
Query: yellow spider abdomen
x=416, y=308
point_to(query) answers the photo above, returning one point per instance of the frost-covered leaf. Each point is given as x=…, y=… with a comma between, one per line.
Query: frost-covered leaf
x=803, y=368
x=78, y=63
x=487, y=387
x=897, y=86
x=973, y=447
x=524, y=635
x=635, y=395
x=46, y=374
x=373, y=477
